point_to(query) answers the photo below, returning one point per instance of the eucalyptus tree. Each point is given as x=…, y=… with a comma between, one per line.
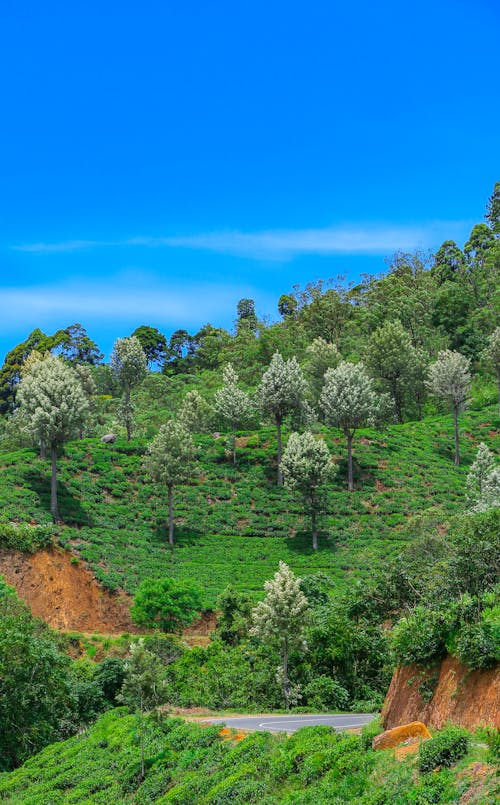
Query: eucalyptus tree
x=129, y=366
x=53, y=407
x=307, y=468
x=492, y=353
x=195, y=413
x=280, y=620
x=449, y=378
x=232, y=405
x=349, y=402
x=168, y=461
x=282, y=392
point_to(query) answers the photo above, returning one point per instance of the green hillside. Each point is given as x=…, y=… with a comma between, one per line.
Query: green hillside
x=233, y=524
x=188, y=765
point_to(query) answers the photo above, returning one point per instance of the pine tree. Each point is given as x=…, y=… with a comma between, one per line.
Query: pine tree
x=168, y=461
x=282, y=392
x=307, y=468
x=281, y=618
x=450, y=379
x=54, y=408
x=233, y=405
x=349, y=402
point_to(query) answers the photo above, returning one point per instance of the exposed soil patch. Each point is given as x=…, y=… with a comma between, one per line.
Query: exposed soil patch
x=64, y=593
x=468, y=698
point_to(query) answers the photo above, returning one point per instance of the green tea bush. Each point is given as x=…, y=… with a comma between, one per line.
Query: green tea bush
x=421, y=637
x=24, y=537
x=445, y=749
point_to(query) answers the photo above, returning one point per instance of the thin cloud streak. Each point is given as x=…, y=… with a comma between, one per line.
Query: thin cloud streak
x=282, y=245
x=114, y=300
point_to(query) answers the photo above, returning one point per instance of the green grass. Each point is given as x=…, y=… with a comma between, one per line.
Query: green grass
x=191, y=765
x=233, y=524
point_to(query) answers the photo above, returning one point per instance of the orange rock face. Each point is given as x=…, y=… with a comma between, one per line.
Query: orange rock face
x=447, y=692
x=411, y=733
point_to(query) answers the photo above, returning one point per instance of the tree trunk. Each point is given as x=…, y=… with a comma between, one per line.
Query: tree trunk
x=498, y=384
x=43, y=451
x=278, y=429
x=286, y=683
x=53, y=485
x=314, y=529
x=143, y=771
x=397, y=402
x=350, y=480
x=234, y=448
x=170, y=516
x=455, y=425
x=128, y=423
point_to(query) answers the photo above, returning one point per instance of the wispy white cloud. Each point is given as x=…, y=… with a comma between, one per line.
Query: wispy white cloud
x=118, y=299
x=285, y=244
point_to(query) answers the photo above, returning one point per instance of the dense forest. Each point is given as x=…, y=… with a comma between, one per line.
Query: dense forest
x=324, y=489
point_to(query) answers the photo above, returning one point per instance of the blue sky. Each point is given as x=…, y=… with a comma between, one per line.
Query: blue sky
x=160, y=160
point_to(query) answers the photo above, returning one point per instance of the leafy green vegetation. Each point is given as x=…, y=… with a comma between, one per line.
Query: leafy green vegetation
x=192, y=765
x=233, y=523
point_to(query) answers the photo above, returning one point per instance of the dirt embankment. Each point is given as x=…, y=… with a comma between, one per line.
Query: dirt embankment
x=448, y=692
x=65, y=593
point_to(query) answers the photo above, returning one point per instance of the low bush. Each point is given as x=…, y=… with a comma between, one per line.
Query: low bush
x=445, y=749
x=25, y=537
x=421, y=637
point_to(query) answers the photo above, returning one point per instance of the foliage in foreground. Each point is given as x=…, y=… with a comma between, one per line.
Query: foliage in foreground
x=188, y=764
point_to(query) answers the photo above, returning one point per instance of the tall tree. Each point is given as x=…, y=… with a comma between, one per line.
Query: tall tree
x=479, y=474
x=320, y=356
x=129, y=366
x=392, y=357
x=168, y=461
x=247, y=318
x=75, y=346
x=282, y=392
x=449, y=262
x=233, y=405
x=492, y=353
x=281, y=618
x=54, y=408
x=10, y=373
x=195, y=413
x=153, y=343
x=493, y=210
x=307, y=468
x=143, y=687
x=349, y=402
x=450, y=379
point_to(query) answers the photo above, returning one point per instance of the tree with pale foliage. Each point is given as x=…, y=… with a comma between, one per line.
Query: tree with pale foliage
x=232, y=405
x=349, y=402
x=168, y=461
x=281, y=619
x=282, y=392
x=320, y=356
x=483, y=481
x=195, y=413
x=307, y=468
x=492, y=354
x=144, y=686
x=53, y=407
x=449, y=378
x=129, y=366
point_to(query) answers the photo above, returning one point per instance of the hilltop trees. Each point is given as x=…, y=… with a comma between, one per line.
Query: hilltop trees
x=54, y=407
x=281, y=392
x=168, y=462
x=280, y=620
x=129, y=366
x=449, y=378
x=233, y=405
x=349, y=402
x=153, y=343
x=492, y=353
x=307, y=467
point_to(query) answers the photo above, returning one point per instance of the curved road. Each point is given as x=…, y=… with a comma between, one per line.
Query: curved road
x=294, y=722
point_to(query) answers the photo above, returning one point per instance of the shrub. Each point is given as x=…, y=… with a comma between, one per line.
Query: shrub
x=445, y=749
x=370, y=731
x=166, y=604
x=476, y=646
x=324, y=693
x=25, y=537
x=421, y=637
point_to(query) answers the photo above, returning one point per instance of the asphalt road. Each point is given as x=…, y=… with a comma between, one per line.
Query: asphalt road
x=293, y=722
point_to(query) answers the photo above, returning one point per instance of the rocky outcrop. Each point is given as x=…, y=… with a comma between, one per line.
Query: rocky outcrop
x=447, y=692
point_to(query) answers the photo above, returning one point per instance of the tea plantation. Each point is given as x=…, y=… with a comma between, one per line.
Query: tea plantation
x=233, y=524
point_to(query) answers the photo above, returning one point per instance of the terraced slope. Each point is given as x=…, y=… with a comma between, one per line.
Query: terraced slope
x=233, y=523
